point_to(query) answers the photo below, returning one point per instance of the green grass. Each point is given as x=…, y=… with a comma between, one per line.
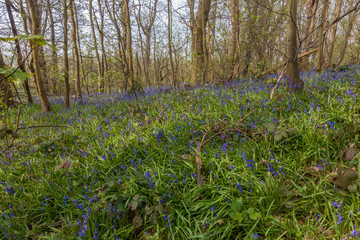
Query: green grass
x=132, y=174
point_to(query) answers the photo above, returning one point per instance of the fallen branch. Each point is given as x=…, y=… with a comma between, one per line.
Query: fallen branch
x=43, y=126
x=277, y=82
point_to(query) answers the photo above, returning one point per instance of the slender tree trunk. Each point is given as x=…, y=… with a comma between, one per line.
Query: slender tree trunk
x=235, y=41
x=332, y=35
x=20, y=62
x=320, y=52
x=173, y=76
x=311, y=9
x=125, y=15
x=75, y=51
x=34, y=11
x=103, y=53
x=82, y=70
x=294, y=83
x=346, y=38
x=54, y=60
x=98, y=63
x=66, y=57
x=6, y=95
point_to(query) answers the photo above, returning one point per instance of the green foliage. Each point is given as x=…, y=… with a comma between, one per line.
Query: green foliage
x=37, y=39
x=134, y=175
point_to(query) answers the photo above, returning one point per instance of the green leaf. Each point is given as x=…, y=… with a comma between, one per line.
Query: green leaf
x=255, y=216
x=236, y=205
x=121, y=207
x=239, y=217
x=270, y=127
x=250, y=211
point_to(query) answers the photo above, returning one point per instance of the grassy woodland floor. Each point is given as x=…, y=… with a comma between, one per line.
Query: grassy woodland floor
x=117, y=173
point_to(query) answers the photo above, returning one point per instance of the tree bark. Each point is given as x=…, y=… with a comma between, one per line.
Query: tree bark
x=295, y=83
x=172, y=68
x=103, y=53
x=36, y=23
x=98, y=63
x=332, y=35
x=54, y=60
x=320, y=52
x=125, y=17
x=198, y=32
x=75, y=51
x=66, y=57
x=20, y=62
x=252, y=8
x=6, y=95
x=235, y=41
x=346, y=38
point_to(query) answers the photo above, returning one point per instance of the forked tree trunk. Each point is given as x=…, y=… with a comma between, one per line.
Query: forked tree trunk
x=295, y=83
x=34, y=12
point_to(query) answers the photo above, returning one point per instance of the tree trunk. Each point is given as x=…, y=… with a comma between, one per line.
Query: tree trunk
x=66, y=57
x=98, y=63
x=320, y=52
x=235, y=41
x=20, y=62
x=252, y=8
x=295, y=83
x=125, y=17
x=346, y=38
x=54, y=62
x=34, y=12
x=103, y=53
x=75, y=51
x=172, y=68
x=332, y=35
x=6, y=95
x=199, y=24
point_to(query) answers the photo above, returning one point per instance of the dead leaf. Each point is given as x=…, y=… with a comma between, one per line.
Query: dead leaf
x=349, y=154
x=66, y=164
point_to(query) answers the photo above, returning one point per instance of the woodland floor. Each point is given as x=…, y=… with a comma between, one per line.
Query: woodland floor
x=271, y=169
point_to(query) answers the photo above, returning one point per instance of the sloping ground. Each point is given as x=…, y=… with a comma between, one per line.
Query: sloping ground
x=117, y=172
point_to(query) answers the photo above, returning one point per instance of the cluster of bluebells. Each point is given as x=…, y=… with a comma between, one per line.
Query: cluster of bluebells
x=111, y=136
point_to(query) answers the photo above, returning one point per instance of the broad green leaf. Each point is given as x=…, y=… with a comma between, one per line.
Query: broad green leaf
x=239, y=217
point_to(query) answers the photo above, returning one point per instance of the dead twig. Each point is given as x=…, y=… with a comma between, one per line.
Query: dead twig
x=277, y=82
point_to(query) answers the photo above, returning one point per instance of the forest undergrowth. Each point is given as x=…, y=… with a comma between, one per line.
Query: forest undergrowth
x=216, y=162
